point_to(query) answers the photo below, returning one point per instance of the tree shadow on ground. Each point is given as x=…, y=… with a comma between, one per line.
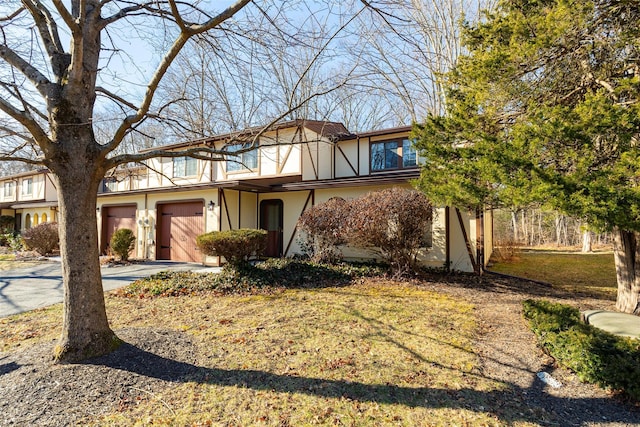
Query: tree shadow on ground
x=8, y=367
x=492, y=282
x=511, y=404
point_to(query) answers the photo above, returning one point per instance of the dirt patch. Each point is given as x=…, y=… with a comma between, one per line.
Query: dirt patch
x=56, y=395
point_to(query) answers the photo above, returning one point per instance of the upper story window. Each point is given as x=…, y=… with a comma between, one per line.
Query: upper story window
x=184, y=166
x=109, y=184
x=246, y=160
x=27, y=186
x=9, y=189
x=395, y=154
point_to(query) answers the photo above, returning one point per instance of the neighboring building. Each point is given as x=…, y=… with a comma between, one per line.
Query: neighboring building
x=29, y=197
x=297, y=164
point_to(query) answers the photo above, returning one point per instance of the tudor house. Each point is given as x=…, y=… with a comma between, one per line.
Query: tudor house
x=296, y=165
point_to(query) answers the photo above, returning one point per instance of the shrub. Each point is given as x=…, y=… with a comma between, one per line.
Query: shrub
x=593, y=354
x=122, y=243
x=6, y=229
x=323, y=227
x=394, y=221
x=236, y=246
x=507, y=250
x=6, y=223
x=42, y=238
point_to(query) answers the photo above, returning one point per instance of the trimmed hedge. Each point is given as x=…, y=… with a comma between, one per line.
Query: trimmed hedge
x=594, y=355
x=236, y=246
x=122, y=243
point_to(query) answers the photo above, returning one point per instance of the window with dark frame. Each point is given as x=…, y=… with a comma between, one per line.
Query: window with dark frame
x=184, y=166
x=243, y=161
x=394, y=154
x=109, y=184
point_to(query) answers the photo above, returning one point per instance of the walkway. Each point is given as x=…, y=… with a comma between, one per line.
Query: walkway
x=25, y=289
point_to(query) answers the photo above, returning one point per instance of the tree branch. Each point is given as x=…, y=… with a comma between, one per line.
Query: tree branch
x=13, y=15
x=20, y=159
x=167, y=60
x=198, y=152
x=38, y=79
x=66, y=16
x=26, y=120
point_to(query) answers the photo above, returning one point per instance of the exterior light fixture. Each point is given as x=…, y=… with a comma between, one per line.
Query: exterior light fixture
x=211, y=205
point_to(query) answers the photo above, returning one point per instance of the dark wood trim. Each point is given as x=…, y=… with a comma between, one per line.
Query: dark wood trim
x=220, y=195
x=240, y=209
x=226, y=209
x=358, y=155
x=355, y=172
x=480, y=239
x=467, y=242
x=312, y=197
x=447, y=238
x=315, y=171
x=282, y=162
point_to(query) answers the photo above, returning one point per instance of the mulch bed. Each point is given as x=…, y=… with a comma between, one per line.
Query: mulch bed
x=33, y=391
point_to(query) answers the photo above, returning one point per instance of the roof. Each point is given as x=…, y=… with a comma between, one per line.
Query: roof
x=22, y=174
x=330, y=130
x=380, y=132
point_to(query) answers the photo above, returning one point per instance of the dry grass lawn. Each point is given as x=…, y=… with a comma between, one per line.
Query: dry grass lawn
x=367, y=354
x=591, y=274
x=434, y=352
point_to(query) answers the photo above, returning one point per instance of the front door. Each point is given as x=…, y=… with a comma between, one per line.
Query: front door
x=271, y=220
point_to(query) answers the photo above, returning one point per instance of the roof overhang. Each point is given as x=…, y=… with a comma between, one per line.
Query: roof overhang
x=382, y=178
x=39, y=204
x=257, y=185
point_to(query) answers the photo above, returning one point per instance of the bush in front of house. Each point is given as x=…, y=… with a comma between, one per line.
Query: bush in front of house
x=6, y=229
x=324, y=230
x=395, y=222
x=42, y=238
x=236, y=246
x=594, y=355
x=122, y=243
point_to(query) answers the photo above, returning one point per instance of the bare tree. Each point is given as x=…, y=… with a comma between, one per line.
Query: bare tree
x=58, y=68
x=270, y=73
x=410, y=44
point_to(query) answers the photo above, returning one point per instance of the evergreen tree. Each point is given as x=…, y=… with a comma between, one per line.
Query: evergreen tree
x=544, y=107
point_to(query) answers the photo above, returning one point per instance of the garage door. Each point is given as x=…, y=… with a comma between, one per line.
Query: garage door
x=114, y=218
x=178, y=226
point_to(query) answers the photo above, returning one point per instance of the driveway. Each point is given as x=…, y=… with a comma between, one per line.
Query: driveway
x=25, y=289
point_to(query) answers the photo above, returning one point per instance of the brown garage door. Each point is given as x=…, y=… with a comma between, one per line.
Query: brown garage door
x=114, y=218
x=178, y=226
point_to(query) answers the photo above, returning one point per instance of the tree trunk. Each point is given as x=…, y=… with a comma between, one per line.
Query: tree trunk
x=514, y=225
x=626, y=252
x=85, y=329
x=587, y=241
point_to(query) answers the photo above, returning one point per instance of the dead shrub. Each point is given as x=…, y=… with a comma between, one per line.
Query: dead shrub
x=324, y=230
x=42, y=238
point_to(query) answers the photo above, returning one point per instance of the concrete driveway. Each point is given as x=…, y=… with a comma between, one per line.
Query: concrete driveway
x=24, y=289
